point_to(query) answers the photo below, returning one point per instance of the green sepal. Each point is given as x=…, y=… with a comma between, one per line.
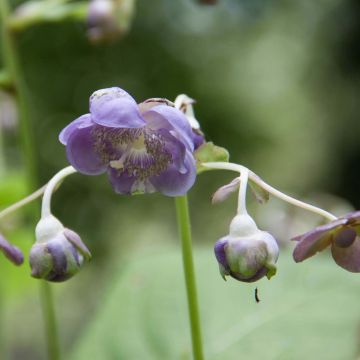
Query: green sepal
x=271, y=270
x=261, y=196
x=209, y=152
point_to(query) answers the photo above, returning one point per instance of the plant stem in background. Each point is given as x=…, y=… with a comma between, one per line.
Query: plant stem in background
x=182, y=211
x=12, y=66
x=47, y=304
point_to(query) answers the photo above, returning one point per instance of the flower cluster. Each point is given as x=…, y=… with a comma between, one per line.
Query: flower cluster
x=144, y=148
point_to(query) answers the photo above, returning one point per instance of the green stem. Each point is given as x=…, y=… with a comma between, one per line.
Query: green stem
x=50, y=323
x=182, y=212
x=13, y=68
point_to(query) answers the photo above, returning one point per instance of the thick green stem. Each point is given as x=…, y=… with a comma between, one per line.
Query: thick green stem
x=13, y=68
x=182, y=211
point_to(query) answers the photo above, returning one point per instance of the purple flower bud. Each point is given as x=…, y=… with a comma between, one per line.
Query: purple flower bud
x=247, y=253
x=12, y=252
x=58, y=253
x=143, y=148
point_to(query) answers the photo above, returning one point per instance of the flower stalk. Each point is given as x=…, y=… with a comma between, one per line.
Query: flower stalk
x=183, y=220
x=253, y=177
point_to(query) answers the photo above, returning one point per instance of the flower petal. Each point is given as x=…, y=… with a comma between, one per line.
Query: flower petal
x=12, y=252
x=82, y=154
x=81, y=122
x=225, y=191
x=167, y=117
x=115, y=108
x=315, y=240
x=353, y=218
x=348, y=258
x=121, y=182
x=172, y=182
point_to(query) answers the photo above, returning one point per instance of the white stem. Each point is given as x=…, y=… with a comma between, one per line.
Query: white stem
x=244, y=176
x=270, y=189
x=36, y=194
x=50, y=187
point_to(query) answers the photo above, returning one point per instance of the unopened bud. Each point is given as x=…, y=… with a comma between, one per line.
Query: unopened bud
x=247, y=253
x=58, y=253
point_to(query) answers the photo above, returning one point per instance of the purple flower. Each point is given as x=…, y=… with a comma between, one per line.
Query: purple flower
x=13, y=253
x=247, y=254
x=341, y=235
x=143, y=148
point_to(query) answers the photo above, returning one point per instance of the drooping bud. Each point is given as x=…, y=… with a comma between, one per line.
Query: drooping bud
x=247, y=253
x=58, y=253
x=109, y=19
x=13, y=253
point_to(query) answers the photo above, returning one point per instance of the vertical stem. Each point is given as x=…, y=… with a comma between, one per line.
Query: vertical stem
x=182, y=212
x=13, y=67
x=50, y=323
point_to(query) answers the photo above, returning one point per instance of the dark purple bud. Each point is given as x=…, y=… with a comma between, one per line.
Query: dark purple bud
x=58, y=253
x=12, y=252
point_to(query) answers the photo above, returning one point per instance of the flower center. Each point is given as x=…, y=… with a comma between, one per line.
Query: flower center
x=138, y=152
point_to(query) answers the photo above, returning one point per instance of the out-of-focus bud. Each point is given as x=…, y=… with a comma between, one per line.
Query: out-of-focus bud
x=247, y=253
x=13, y=253
x=109, y=19
x=58, y=253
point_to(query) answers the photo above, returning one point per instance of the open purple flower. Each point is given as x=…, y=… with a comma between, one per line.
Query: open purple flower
x=143, y=148
x=341, y=235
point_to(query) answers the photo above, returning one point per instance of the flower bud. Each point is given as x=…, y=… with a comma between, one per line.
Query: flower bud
x=58, y=253
x=247, y=253
x=109, y=19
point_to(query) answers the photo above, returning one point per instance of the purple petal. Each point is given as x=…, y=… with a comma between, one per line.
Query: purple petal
x=225, y=191
x=114, y=107
x=13, y=253
x=81, y=122
x=167, y=117
x=121, y=182
x=75, y=239
x=220, y=254
x=172, y=182
x=348, y=258
x=82, y=154
x=315, y=240
x=176, y=148
x=321, y=229
x=353, y=218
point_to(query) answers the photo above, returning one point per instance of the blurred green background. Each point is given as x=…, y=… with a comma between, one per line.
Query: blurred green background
x=277, y=83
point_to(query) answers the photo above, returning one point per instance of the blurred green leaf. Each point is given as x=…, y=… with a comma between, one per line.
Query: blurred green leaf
x=301, y=313
x=13, y=187
x=209, y=152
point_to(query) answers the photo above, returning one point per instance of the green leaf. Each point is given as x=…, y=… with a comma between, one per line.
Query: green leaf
x=209, y=152
x=302, y=312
